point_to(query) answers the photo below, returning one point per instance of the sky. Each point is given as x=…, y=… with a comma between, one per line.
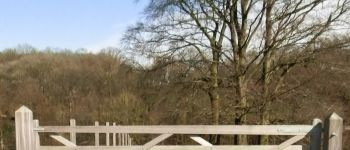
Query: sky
x=72, y=24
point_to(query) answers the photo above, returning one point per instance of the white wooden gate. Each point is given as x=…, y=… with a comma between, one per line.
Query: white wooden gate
x=27, y=135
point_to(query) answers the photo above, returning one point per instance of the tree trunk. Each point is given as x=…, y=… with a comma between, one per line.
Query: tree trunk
x=265, y=108
x=265, y=120
x=240, y=50
x=267, y=60
x=214, y=93
x=241, y=117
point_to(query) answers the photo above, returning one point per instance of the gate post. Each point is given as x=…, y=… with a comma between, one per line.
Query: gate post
x=333, y=133
x=315, y=136
x=24, y=129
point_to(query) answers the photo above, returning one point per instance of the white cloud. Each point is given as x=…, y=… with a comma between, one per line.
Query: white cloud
x=111, y=40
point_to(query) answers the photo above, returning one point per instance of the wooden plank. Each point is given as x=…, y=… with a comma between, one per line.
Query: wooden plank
x=290, y=141
x=64, y=141
x=333, y=133
x=347, y=128
x=73, y=136
x=126, y=139
x=201, y=141
x=107, y=135
x=114, y=136
x=155, y=141
x=123, y=139
x=129, y=140
x=315, y=137
x=97, y=135
x=172, y=147
x=36, y=135
x=190, y=129
x=25, y=137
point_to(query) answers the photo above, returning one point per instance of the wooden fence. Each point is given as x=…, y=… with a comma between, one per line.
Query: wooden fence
x=27, y=135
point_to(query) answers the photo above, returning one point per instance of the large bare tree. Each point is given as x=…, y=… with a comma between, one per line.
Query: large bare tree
x=174, y=28
x=291, y=31
x=265, y=38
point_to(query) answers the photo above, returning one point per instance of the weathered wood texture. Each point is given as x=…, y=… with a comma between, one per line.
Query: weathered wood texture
x=129, y=140
x=347, y=128
x=114, y=136
x=27, y=134
x=25, y=137
x=333, y=133
x=188, y=129
x=124, y=139
x=73, y=136
x=107, y=135
x=155, y=141
x=64, y=141
x=201, y=141
x=36, y=134
x=290, y=141
x=171, y=147
x=97, y=135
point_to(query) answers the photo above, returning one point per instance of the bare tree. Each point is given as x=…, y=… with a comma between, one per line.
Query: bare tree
x=292, y=29
x=280, y=34
x=177, y=27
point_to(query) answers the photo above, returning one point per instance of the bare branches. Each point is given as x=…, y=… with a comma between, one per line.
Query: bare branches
x=259, y=41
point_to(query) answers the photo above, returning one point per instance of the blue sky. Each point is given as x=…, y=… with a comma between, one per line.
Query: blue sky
x=73, y=24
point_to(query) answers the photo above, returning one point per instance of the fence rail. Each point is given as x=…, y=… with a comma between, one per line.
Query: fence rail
x=175, y=147
x=347, y=128
x=27, y=135
x=187, y=129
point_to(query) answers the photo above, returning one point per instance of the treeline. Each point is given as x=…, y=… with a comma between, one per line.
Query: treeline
x=106, y=86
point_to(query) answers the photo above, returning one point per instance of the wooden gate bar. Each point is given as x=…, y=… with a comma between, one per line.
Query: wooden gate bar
x=107, y=135
x=155, y=141
x=173, y=147
x=189, y=129
x=201, y=141
x=97, y=135
x=63, y=141
x=73, y=137
x=36, y=135
x=114, y=136
x=347, y=128
x=290, y=141
x=123, y=139
x=27, y=134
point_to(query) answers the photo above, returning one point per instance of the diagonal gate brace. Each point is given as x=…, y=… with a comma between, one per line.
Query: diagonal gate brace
x=201, y=141
x=64, y=141
x=155, y=141
x=290, y=141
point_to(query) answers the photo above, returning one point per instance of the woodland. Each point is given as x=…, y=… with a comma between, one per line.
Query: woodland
x=230, y=62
